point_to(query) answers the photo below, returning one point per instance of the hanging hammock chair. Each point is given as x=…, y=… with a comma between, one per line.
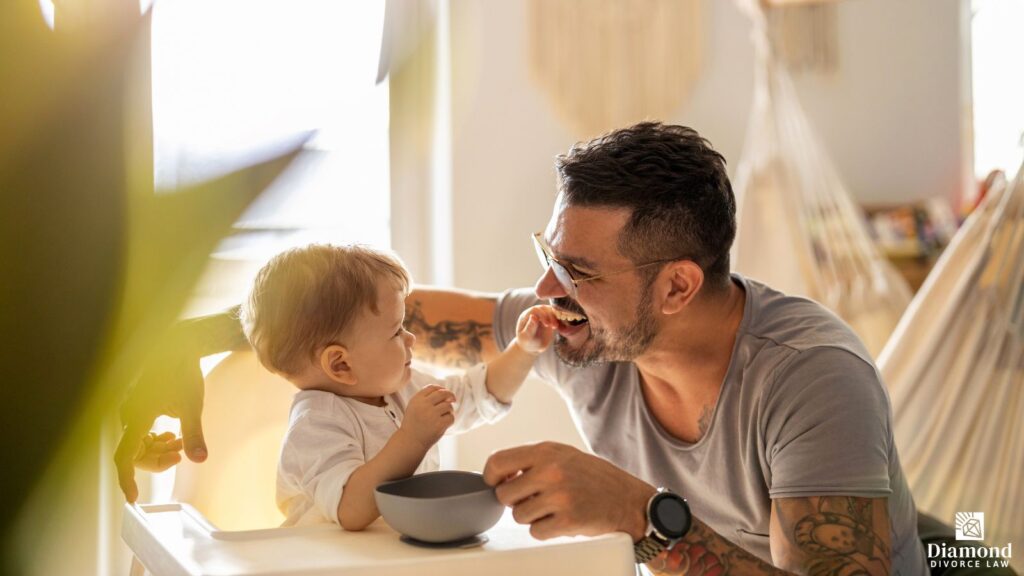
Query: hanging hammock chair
x=955, y=371
x=798, y=230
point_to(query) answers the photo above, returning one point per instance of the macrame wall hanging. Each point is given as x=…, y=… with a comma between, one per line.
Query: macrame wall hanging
x=804, y=36
x=955, y=371
x=606, y=64
x=798, y=230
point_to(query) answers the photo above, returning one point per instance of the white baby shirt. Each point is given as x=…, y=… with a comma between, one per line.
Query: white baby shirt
x=329, y=436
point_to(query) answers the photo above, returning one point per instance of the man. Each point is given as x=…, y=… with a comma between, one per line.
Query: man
x=763, y=411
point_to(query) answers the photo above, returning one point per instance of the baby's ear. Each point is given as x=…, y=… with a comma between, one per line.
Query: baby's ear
x=334, y=361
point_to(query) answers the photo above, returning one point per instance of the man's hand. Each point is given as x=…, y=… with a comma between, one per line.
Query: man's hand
x=561, y=491
x=173, y=385
x=429, y=414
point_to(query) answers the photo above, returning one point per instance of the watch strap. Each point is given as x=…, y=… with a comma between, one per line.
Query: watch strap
x=648, y=548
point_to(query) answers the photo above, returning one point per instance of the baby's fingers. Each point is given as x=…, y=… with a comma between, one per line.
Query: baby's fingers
x=529, y=330
x=444, y=408
x=441, y=395
x=171, y=445
x=158, y=461
x=159, y=452
x=426, y=395
x=429, y=389
x=545, y=315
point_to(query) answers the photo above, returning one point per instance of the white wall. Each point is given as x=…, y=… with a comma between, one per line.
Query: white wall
x=890, y=117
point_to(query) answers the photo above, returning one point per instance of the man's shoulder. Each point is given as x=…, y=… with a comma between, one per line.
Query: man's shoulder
x=800, y=325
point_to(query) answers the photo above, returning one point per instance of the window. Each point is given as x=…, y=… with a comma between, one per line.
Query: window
x=996, y=46
x=233, y=77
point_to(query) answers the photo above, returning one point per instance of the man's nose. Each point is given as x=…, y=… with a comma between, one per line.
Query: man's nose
x=548, y=287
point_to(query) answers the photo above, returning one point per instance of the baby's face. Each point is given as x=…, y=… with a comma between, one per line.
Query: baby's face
x=380, y=348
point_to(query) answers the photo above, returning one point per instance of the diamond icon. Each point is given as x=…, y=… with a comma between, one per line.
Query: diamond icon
x=970, y=525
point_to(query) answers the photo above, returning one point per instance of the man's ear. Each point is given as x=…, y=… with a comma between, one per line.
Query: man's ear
x=680, y=282
x=334, y=361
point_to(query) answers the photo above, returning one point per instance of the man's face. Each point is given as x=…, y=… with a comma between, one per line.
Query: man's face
x=611, y=319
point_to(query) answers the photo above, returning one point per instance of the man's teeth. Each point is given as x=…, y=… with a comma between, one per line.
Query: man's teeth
x=569, y=317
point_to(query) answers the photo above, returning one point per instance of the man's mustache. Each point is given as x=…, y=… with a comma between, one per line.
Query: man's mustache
x=568, y=304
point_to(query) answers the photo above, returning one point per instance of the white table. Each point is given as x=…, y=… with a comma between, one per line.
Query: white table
x=175, y=540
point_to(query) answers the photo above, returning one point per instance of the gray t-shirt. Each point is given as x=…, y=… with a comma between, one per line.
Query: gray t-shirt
x=802, y=412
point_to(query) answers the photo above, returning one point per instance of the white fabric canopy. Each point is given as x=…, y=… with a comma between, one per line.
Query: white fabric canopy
x=955, y=370
x=798, y=230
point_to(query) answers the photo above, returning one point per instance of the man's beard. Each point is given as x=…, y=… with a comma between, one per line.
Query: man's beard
x=604, y=345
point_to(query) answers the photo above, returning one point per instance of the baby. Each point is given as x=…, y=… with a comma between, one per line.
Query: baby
x=329, y=320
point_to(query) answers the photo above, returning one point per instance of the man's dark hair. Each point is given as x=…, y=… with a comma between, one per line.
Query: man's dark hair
x=673, y=182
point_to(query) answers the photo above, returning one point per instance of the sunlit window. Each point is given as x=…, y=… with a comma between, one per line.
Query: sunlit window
x=233, y=77
x=998, y=87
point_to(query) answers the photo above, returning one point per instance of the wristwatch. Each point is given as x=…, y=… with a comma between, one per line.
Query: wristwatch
x=668, y=520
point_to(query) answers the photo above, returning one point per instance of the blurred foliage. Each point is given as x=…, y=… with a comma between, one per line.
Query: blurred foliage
x=94, y=265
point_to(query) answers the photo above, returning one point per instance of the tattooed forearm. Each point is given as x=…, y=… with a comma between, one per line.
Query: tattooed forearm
x=821, y=536
x=458, y=344
x=836, y=534
x=703, y=552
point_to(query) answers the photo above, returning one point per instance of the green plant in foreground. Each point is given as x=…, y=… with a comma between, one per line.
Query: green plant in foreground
x=94, y=265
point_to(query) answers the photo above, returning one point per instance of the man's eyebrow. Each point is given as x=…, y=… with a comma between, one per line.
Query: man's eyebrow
x=577, y=261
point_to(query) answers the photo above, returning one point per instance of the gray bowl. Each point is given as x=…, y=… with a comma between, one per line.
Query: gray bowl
x=437, y=507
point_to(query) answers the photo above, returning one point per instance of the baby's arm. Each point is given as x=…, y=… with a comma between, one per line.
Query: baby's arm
x=428, y=415
x=534, y=333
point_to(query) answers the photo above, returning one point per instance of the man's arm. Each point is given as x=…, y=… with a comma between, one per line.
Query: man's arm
x=453, y=327
x=820, y=536
x=831, y=535
x=172, y=384
x=561, y=491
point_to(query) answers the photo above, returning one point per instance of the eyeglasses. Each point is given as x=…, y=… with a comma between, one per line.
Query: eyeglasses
x=570, y=278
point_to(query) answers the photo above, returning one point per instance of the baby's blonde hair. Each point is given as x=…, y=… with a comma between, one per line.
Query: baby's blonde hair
x=304, y=298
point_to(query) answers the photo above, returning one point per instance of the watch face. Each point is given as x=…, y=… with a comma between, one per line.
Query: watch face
x=670, y=515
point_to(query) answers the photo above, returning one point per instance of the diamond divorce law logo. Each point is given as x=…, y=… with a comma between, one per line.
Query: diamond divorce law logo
x=970, y=525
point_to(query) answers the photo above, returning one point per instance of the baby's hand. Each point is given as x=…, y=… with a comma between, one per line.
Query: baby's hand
x=158, y=452
x=536, y=329
x=429, y=414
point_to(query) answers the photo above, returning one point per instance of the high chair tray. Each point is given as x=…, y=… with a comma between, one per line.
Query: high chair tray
x=176, y=540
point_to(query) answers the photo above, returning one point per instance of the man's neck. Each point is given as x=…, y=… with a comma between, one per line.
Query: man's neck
x=690, y=359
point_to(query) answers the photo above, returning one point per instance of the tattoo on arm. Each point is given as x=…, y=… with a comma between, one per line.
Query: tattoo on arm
x=703, y=552
x=826, y=536
x=837, y=536
x=458, y=344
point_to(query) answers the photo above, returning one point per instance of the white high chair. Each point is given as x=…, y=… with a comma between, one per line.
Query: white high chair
x=226, y=521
